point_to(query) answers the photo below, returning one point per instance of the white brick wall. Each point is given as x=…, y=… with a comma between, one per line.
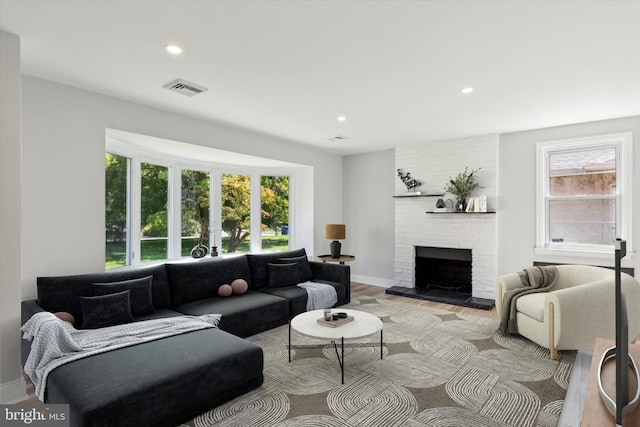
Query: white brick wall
x=433, y=164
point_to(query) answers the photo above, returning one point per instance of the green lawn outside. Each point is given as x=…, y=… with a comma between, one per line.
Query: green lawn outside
x=157, y=249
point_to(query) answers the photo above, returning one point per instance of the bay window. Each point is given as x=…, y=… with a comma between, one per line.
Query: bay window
x=160, y=208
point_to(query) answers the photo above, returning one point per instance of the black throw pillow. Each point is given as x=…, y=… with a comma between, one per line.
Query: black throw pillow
x=304, y=269
x=141, y=299
x=106, y=310
x=281, y=275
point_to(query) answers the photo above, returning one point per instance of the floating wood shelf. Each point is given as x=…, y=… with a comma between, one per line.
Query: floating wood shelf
x=457, y=213
x=399, y=196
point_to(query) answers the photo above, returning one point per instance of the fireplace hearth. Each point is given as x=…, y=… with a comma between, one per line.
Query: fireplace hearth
x=443, y=275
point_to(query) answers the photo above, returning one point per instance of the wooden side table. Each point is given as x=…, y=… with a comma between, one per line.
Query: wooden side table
x=343, y=258
x=595, y=414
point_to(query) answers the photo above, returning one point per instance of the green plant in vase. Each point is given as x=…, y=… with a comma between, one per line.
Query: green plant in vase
x=461, y=187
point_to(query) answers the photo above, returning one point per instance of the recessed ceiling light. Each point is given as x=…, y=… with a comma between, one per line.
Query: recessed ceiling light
x=341, y=118
x=467, y=90
x=171, y=48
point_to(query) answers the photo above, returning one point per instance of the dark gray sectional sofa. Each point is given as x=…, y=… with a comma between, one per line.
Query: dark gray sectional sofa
x=171, y=380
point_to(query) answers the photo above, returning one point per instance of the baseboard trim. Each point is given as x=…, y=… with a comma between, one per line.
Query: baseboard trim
x=375, y=281
x=13, y=391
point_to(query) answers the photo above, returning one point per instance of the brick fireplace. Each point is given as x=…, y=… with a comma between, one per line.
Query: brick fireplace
x=415, y=227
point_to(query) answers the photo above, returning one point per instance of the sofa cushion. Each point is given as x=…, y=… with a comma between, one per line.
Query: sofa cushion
x=281, y=275
x=532, y=305
x=140, y=296
x=304, y=269
x=258, y=264
x=159, y=383
x=242, y=315
x=192, y=281
x=106, y=310
x=61, y=293
x=296, y=296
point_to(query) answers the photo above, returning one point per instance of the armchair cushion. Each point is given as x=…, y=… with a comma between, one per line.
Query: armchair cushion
x=532, y=305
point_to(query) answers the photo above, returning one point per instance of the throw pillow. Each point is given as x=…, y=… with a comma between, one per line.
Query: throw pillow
x=106, y=310
x=225, y=290
x=239, y=286
x=66, y=317
x=304, y=269
x=141, y=299
x=281, y=275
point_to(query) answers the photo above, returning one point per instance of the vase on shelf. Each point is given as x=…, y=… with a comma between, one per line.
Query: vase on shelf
x=461, y=205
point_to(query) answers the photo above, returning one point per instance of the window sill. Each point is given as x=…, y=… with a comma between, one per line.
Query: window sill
x=579, y=256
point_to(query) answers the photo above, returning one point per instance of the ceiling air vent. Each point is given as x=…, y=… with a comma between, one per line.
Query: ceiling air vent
x=184, y=87
x=339, y=138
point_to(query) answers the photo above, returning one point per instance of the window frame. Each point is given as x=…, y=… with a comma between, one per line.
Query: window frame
x=138, y=156
x=623, y=143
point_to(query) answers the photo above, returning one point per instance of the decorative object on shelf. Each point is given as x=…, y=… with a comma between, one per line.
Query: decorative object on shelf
x=444, y=206
x=462, y=187
x=409, y=182
x=199, y=251
x=214, y=248
x=623, y=403
x=335, y=232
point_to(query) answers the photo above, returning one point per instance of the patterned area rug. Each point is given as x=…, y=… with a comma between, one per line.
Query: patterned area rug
x=439, y=369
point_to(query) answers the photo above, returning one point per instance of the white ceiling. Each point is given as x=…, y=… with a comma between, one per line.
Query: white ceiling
x=393, y=68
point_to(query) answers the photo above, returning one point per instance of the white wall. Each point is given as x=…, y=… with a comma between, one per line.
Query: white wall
x=517, y=191
x=369, y=216
x=11, y=384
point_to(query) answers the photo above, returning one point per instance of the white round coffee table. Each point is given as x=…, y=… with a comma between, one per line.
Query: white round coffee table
x=362, y=325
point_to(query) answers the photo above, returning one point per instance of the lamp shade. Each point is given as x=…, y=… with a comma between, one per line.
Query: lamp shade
x=336, y=231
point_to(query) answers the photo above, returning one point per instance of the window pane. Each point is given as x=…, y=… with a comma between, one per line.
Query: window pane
x=274, y=195
x=582, y=222
x=154, y=230
x=116, y=199
x=195, y=210
x=236, y=209
x=583, y=173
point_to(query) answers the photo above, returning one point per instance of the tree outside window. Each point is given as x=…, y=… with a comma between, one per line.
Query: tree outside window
x=275, y=212
x=116, y=211
x=236, y=213
x=154, y=212
x=195, y=210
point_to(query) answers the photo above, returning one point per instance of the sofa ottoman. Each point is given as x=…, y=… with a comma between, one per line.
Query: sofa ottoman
x=157, y=383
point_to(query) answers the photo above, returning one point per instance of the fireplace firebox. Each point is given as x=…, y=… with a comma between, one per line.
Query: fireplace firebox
x=443, y=269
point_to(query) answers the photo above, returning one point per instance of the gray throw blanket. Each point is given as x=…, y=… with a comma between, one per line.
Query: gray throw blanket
x=319, y=295
x=55, y=342
x=534, y=280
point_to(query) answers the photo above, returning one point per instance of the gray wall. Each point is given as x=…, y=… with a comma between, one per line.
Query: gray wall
x=517, y=190
x=369, y=216
x=63, y=195
x=11, y=386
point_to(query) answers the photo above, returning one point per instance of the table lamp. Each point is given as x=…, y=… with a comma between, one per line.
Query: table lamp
x=335, y=232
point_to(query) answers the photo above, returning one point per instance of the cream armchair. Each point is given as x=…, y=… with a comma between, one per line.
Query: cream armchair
x=580, y=308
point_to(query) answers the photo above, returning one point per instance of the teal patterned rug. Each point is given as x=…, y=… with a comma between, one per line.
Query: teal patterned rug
x=439, y=369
